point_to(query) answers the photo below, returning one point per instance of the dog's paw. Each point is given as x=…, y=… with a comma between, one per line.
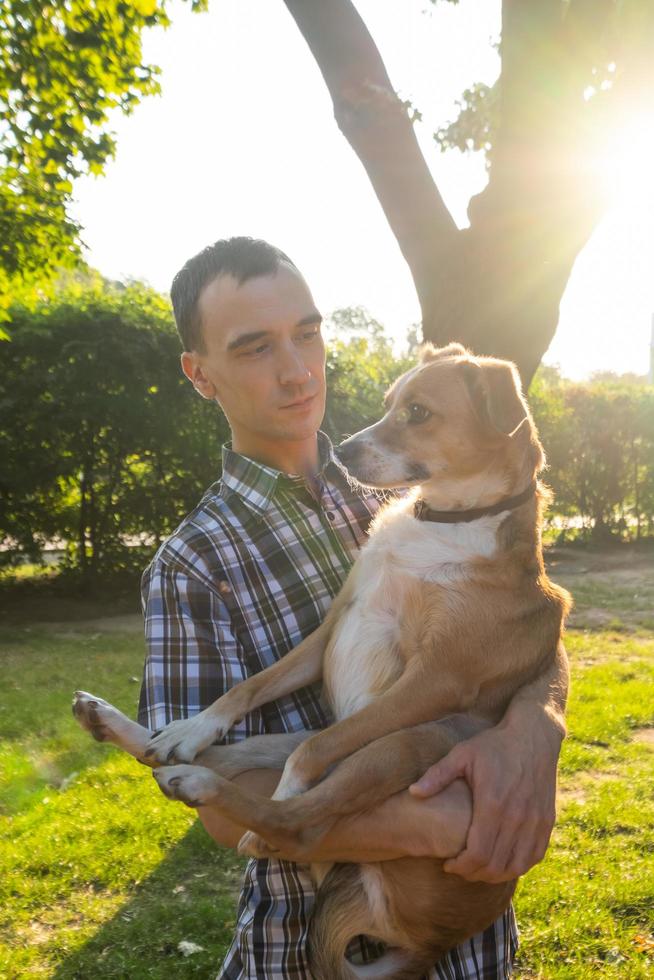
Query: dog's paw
x=107, y=724
x=193, y=785
x=182, y=740
x=253, y=845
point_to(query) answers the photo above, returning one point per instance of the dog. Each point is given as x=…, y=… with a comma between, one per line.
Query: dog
x=446, y=614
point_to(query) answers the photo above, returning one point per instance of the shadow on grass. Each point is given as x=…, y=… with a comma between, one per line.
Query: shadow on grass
x=190, y=896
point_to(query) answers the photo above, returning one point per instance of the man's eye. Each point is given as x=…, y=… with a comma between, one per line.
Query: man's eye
x=308, y=335
x=253, y=351
x=415, y=413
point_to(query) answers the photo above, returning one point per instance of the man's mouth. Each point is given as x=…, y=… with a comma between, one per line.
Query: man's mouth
x=300, y=403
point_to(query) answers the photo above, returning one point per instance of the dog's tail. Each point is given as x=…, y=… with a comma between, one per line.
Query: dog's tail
x=341, y=912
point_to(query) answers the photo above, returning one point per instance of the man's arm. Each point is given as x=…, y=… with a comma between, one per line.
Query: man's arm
x=401, y=826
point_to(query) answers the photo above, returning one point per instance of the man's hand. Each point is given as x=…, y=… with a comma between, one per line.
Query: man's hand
x=511, y=771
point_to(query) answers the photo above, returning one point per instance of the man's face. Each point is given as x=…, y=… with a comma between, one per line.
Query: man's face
x=264, y=359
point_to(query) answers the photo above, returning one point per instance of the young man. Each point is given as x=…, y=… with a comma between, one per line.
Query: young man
x=252, y=571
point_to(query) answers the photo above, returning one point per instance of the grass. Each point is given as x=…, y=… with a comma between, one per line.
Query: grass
x=92, y=858
x=100, y=876
x=588, y=909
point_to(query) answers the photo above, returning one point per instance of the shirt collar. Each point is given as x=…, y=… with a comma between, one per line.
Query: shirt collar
x=257, y=483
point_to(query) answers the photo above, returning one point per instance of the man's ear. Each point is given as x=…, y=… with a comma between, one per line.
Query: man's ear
x=194, y=371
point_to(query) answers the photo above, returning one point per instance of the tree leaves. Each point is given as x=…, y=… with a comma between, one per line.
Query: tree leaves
x=64, y=66
x=103, y=441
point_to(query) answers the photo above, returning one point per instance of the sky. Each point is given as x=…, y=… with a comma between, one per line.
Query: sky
x=243, y=141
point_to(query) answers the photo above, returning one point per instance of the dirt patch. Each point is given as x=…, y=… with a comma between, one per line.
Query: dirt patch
x=644, y=735
x=629, y=563
x=590, y=618
x=584, y=785
x=22, y=606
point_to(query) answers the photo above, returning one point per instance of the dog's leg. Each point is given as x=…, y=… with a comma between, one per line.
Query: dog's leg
x=362, y=781
x=369, y=776
x=182, y=740
x=257, y=752
x=414, y=698
x=107, y=724
x=358, y=783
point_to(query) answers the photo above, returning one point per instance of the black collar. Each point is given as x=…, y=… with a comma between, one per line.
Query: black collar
x=424, y=513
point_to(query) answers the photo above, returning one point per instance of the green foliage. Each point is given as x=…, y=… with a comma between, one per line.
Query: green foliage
x=104, y=441
x=599, y=440
x=64, y=67
x=361, y=366
x=475, y=126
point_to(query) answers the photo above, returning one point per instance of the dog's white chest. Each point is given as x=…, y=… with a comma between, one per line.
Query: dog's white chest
x=364, y=655
x=364, y=658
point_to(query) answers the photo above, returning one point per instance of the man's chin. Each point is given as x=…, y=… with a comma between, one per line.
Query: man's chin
x=300, y=429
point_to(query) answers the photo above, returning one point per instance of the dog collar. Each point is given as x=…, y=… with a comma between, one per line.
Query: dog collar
x=424, y=513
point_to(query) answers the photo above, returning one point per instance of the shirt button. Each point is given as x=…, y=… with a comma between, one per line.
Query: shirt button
x=331, y=515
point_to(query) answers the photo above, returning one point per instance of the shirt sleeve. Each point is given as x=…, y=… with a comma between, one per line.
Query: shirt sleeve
x=192, y=656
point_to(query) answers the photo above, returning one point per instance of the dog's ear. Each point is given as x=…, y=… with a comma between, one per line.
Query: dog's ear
x=430, y=353
x=496, y=394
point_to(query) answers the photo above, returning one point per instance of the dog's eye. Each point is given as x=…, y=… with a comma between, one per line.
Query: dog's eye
x=417, y=413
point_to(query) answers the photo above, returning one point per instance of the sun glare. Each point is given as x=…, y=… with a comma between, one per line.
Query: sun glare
x=629, y=167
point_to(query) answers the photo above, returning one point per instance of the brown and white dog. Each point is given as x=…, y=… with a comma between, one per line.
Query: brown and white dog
x=447, y=611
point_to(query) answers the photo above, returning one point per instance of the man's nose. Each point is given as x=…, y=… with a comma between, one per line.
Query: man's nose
x=292, y=369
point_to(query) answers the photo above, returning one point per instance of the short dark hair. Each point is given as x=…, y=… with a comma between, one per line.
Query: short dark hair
x=242, y=257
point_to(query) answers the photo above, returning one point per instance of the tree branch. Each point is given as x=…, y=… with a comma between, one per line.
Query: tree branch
x=376, y=124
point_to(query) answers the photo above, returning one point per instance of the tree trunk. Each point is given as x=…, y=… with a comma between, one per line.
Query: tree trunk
x=497, y=285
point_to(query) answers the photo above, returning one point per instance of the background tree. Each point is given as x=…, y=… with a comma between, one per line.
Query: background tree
x=64, y=65
x=496, y=286
x=599, y=441
x=361, y=365
x=104, y=442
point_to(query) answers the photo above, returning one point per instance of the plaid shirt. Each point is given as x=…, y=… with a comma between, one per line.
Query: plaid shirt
x=244, y=578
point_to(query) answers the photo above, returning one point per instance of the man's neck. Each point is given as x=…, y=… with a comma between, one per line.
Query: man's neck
x=293, y=458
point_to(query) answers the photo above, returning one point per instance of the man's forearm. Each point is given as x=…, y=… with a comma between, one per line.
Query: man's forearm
x=401, y=826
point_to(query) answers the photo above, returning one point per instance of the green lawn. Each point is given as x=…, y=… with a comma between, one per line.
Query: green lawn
x=100, y=876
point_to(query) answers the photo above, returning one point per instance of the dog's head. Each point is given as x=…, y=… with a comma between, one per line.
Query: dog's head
x=452, y=418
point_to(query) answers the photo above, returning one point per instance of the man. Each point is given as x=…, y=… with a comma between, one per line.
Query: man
x=253, y=569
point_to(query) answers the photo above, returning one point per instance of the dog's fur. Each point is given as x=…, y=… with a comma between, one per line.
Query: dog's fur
x=434, y=619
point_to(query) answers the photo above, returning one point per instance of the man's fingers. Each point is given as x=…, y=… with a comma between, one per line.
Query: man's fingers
x=477, y=852
x=529, y=849
x=491, y=842
x=521, y=842
x=480, y=865
x=439, y=776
